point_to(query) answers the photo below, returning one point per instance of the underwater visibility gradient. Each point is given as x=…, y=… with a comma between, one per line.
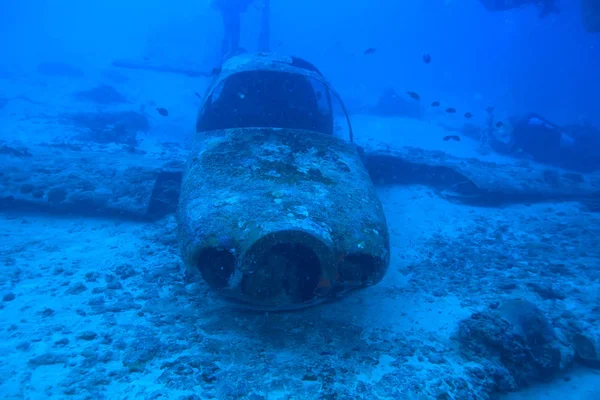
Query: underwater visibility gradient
x=284, y=199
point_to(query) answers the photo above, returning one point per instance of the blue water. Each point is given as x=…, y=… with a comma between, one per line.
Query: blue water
x=493, y=285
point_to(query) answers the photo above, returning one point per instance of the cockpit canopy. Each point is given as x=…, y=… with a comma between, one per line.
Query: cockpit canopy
x=274, y=98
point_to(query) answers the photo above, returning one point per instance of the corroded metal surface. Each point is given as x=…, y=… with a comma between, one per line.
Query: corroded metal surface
x=474, y=181
x=118, y=184
x=86, y=179
x=303, y=187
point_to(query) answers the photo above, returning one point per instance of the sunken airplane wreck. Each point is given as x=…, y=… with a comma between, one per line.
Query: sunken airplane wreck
x=276, y=206
x=276, y=209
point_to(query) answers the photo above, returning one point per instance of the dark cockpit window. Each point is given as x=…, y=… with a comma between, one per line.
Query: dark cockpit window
x=270, y=99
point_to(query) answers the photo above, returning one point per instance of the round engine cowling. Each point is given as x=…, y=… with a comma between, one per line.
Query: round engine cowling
x=280, y=218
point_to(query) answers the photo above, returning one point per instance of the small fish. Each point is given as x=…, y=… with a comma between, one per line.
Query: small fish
x=451, y=110
x=426, y=58
x=490, y=109
x=468, y=115
x=198, y=95
x=163, y=111
x=370, y=50
x=413, y=95
x=499, y=124
x=435, y=104
x=451, y=137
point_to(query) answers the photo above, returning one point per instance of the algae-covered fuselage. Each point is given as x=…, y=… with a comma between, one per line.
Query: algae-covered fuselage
x=277, y=210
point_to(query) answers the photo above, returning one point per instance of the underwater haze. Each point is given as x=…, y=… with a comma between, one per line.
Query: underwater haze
x=285, y=199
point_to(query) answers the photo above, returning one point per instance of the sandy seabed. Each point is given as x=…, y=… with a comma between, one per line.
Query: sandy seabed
x=103, y=309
